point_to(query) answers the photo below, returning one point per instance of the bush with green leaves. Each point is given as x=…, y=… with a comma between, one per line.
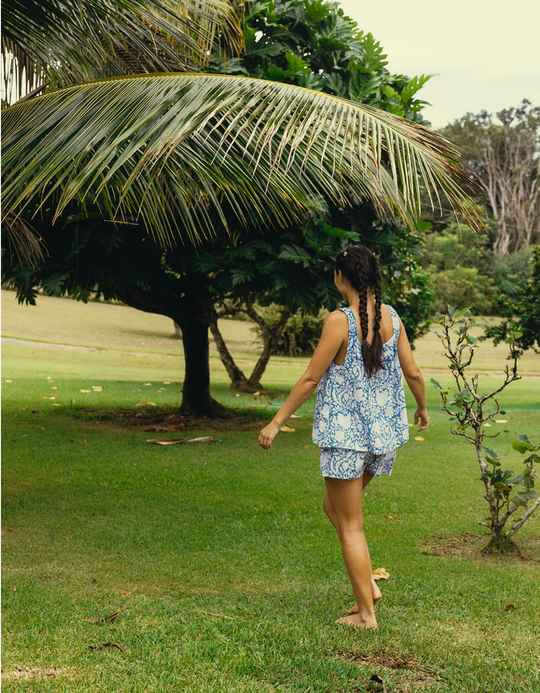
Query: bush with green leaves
x=301, y=333
x=470, y=410
x=462, y=286
x=521, y=314
x=464, y=270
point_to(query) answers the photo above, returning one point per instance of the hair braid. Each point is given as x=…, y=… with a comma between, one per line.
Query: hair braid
x=361, y=267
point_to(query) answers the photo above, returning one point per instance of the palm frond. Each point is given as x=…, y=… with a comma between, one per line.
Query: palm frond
x=22, y=241
x=90, y=39
x=170, y=147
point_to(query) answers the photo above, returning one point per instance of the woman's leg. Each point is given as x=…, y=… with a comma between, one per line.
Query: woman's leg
x=331, y=513
x=345, y=496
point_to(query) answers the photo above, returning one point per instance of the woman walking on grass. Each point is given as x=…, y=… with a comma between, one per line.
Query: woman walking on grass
x=360, y=417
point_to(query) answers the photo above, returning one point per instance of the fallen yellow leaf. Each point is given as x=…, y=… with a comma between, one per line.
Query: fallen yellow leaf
x=86, y=390
x=166, y=382
x=147, y=383
x=381, y=574
x=487, y=425
x=286, y=429
x=418, y=438
x=501, y=420
x=255, y=394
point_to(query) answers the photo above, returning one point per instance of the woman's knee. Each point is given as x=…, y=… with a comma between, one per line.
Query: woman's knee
x=351, y=526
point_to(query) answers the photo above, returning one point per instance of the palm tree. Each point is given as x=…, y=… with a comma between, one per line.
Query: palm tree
x=175, y=149
x=166, y=147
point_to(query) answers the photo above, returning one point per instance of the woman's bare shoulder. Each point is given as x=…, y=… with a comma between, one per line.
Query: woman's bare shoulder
x=336, y=320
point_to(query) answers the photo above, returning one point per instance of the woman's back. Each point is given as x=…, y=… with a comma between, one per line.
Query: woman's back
x=386, y=329
x=357, y=410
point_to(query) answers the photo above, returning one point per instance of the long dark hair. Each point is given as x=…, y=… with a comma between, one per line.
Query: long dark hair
x=361, y=267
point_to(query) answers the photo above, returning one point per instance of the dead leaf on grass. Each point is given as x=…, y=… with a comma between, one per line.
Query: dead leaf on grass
x=418, y=438
x=110, y=618
x=178, y=441
x=286, y=429
x=106, y=644
x=510, y=607
x=501, y=420
x=85, y=390
x=380, y=574
x=393, y=517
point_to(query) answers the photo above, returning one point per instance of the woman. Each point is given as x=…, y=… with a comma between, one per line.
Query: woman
x=360, y=417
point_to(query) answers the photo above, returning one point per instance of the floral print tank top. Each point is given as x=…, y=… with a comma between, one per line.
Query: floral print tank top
x=360, y=413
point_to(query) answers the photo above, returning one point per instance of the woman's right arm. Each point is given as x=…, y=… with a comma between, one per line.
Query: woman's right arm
x=413, y=376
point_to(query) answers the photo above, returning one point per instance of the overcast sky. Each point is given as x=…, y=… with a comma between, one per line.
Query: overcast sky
x=484, y=54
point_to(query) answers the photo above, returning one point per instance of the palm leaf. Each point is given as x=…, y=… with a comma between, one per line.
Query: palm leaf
x=89, y=39
x=166, y=149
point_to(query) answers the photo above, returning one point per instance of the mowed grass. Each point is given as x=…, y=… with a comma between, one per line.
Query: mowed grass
x=227, y=575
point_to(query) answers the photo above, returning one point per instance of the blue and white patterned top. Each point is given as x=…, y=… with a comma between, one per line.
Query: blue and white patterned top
x=357, y=412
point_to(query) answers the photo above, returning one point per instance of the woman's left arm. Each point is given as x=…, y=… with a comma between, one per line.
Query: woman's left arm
x=335, y=331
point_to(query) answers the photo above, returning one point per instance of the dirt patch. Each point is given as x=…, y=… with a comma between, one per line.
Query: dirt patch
x=161, y=419
x=417, y=677
x=20, y=674
x=474, y=545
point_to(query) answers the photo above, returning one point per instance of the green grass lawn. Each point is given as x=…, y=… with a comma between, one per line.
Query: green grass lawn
x=227, y=575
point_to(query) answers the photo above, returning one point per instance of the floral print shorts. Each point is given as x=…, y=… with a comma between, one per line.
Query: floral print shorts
x=341, y=463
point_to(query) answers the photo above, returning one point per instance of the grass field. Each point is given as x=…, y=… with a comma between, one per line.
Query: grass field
x=226, y=574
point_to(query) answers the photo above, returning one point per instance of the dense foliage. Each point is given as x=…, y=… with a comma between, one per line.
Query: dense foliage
x=300, y=335
x=521, y=312
x=315, y=45
x=465, y=272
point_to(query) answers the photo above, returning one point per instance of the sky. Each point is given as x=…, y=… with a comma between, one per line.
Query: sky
x=484, y=54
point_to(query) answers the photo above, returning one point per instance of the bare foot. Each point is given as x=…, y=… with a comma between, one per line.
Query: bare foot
x=356, y=621
x=377, y=595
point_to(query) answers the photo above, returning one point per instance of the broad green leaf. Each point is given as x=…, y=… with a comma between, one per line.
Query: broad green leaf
x=293, y=252
x=524, y=439
x=490, y=454
x=461, y=312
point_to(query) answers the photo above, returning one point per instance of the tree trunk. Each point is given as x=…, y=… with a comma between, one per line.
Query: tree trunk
x=238, y=379
x=193, y=314
x=270, y=340
x=196, y=398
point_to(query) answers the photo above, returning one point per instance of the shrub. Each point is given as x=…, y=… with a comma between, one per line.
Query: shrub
x=300, y=335
x=521, y=313
x=462, y=287
x=470, y=409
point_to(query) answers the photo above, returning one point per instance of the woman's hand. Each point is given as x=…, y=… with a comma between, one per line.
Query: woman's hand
x=424, y=419
x=267, y=435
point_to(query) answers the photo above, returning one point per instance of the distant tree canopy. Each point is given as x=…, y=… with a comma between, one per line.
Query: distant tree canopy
x=505, y=160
